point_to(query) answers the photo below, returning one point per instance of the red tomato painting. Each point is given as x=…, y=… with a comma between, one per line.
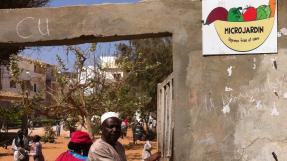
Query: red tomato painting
x=250, y=14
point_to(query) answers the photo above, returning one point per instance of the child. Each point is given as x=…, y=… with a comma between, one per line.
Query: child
x=38, y=155
x=147, y=156
x=146, y=151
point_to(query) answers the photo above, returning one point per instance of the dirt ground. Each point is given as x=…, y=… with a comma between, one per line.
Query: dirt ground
x=52, y=150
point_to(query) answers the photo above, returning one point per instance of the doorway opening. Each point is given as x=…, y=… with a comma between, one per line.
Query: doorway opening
x=72, y=85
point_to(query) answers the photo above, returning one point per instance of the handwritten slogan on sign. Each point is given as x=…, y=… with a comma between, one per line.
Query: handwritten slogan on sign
x=239, y=27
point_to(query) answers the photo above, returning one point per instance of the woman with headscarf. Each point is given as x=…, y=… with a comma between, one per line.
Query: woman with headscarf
x=78, y=147
x=20, y=146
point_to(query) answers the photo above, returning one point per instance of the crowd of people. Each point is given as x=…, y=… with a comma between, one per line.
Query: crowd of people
x=22, y=147
x=82, y=148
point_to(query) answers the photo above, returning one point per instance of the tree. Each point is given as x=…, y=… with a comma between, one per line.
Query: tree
x=9, y=113
x=146, y=62
x=28, y=105
x=81, y=92
x=6, y=4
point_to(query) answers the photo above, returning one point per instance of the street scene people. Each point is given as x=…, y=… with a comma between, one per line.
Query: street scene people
x=58, y=129
x=138, y=132
x=107, y=148
x=20, y=146
x=124, y=129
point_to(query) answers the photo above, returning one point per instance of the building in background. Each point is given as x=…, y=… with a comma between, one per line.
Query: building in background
x=110, y=68
x=106, y=69
x=37, y=78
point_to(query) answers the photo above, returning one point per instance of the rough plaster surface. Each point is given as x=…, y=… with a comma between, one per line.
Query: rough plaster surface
x=246, y=123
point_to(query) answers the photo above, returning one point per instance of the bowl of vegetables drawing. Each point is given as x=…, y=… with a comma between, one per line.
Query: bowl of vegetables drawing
x=243, y=29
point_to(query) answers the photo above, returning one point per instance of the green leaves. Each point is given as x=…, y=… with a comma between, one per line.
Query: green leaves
x=14, y=68
x=146, y=62
x=22, y=3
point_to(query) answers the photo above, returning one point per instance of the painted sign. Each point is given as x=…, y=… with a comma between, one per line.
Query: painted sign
x=239, y=27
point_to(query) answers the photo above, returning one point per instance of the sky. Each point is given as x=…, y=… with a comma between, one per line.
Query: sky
x=48, y=54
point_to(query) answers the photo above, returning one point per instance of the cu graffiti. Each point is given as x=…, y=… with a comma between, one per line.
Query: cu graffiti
x=42, y=29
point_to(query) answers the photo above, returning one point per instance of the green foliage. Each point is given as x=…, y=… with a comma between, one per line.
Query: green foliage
x=146, y=62
x=49, y=134
x=96, y=127
x=6, y=52
x=79, y=97
x=5, y=4
x=14, y=68
x=11, y=114
x=119, y=96
x=70, y=122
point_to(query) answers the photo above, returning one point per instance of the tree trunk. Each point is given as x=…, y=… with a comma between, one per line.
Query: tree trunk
x=24, y=124
x=5, y=126
x=89, y=125
x=0, y=77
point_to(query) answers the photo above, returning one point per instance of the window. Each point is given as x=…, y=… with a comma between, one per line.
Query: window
x=12, y=84
x=35, y=88
x=117, y=76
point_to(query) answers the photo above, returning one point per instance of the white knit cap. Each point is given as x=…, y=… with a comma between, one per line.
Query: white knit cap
x=108, y=115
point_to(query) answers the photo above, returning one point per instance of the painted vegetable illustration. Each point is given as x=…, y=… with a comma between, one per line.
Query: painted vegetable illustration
x=263, y=12
x=234, y=15
x=243, y=29
x=272, y=4
x=218, y=13
x=250, y=14
x=237, y=14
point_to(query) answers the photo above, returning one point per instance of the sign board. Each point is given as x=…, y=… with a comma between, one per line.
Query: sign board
x=239, y=27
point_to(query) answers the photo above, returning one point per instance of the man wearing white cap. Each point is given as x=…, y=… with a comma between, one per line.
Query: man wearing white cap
x=107, y=148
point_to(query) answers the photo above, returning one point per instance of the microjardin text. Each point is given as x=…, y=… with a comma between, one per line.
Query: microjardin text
x=244, y=30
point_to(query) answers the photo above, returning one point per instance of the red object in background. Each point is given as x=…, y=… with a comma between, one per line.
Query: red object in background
x=126, y=122
x=250, y=14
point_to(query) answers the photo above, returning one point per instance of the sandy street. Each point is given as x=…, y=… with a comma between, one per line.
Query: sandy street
x=52, y=150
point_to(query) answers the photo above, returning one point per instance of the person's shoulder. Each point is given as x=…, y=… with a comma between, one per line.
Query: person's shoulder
x=97, y=144
x=99, y=141
x=62, y=156
x=120, y=145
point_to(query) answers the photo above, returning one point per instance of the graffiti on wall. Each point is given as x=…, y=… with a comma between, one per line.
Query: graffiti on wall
x=43, y=27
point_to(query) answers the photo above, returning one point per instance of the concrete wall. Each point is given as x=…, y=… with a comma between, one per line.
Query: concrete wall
x=254, y=127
